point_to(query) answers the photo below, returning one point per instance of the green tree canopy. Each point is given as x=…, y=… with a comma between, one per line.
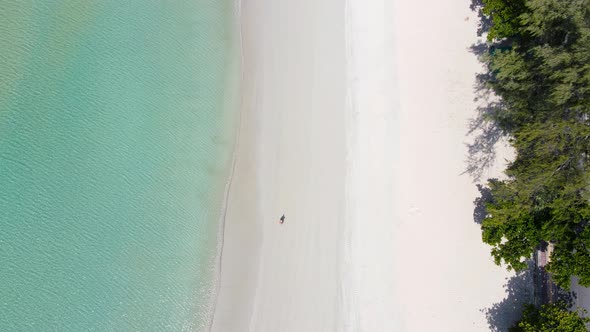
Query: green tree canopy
x=550, y=318
x=505, y=16
x=542, y=77
x=544, y=199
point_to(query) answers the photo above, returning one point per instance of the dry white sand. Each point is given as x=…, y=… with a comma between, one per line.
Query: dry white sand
x=418, y=262
x=441, y=256
x=355, y=130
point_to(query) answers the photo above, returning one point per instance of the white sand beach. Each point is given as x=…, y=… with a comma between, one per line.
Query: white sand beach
x=440, y=245
x=290, y=160
x=353, y=125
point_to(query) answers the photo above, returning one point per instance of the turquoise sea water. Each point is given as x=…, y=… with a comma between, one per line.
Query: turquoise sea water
x=116, y=132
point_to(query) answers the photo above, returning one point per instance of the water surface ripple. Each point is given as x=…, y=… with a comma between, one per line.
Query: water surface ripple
x=115, y=139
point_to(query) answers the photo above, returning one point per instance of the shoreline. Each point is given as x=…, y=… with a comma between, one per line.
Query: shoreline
x=237, y=24
x=228, y=294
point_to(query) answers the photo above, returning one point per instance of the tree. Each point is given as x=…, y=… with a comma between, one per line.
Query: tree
x=505, y=17
x=543, y=80
x=550, y=318
x=545, y=199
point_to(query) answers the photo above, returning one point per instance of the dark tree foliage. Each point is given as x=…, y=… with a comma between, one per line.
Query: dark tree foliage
x=550, y=318
x=544, y=199
x=542, y=75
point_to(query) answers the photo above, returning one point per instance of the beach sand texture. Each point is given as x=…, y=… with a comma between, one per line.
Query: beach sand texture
x=353, y=125
x=451, y=276
x=290, y=159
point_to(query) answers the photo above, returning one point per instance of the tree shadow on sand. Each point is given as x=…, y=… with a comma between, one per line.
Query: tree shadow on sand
x=519, y=290
x=479, y=210
x=524, y=287
x=485, y=133
x=485, y=22
x=481, y=153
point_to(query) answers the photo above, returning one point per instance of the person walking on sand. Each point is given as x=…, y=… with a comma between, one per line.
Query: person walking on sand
x=282, y=219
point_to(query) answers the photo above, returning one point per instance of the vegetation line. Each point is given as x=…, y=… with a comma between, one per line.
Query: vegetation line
x=537, y=60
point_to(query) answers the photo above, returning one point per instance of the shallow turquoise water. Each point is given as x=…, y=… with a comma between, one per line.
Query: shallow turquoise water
x=115, y=141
